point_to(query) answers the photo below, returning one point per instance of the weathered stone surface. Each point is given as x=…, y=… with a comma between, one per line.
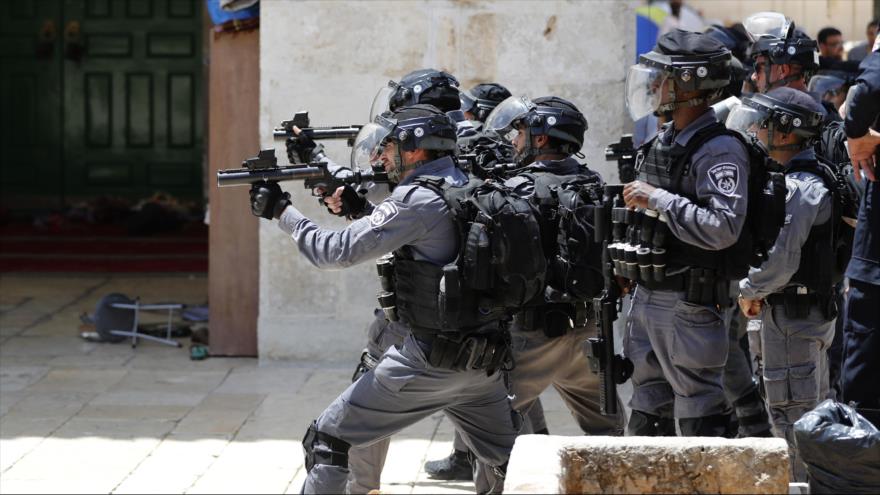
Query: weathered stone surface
x=551, y=464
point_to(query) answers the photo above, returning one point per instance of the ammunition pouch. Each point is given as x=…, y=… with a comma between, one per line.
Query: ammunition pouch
x=462, y=352
x=367, y=362
x=797, y=303
x=554, y=320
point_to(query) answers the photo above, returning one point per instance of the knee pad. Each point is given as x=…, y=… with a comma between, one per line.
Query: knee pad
x=332, y=451
x=643, y=424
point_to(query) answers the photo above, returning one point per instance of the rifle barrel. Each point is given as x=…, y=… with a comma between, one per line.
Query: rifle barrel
x=245, y=176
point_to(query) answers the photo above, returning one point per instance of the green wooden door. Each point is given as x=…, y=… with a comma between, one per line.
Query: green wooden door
x=111, y=106
x=31, y=165
x=133, y=101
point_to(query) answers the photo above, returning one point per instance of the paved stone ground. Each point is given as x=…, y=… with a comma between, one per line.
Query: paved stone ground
x=98, y=418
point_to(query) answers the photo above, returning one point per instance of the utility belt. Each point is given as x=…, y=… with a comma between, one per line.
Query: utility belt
x=797, y=302
x=462, y=352
x=555, y=319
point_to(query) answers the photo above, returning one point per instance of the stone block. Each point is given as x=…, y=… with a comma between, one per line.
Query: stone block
x=553, y=464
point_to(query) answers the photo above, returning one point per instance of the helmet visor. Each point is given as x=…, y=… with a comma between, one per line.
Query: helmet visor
x=745, y=120
x=468, y=101
x=506, y=113
x=643, y=90
x=772, y=24
x=381, y=102
x=824, y=84
x=368, y=146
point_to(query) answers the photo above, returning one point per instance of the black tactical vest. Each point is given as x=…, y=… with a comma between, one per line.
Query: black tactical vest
x=669, y=167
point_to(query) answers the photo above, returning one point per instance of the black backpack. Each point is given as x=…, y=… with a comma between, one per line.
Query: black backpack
x=838, y=179
x=500, y=265
x=565, y=204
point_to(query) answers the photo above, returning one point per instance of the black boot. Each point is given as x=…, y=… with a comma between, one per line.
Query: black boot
x=642, y=424
x=707, y=426
x=456, y=467
x=752, y=415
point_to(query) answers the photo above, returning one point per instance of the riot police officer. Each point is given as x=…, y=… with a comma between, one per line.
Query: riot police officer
x=548, y=348
x=692, y=189
x=793, y=290
x=861, y=366
x=422, y=86
x=478, y=102
x=405, y=386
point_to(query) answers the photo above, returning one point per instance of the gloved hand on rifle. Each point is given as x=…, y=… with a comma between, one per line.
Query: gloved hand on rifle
x=301, y=148
x=268, y=200
x=345, y=201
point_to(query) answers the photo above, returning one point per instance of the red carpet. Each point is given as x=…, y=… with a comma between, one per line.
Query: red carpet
x=102, y=249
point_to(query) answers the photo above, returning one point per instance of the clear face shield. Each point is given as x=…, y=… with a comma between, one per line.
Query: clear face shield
x=771, y=24
x=644, y=86
x=747, y=121
x=502, y=118
x=381, y=102
x=367, y=148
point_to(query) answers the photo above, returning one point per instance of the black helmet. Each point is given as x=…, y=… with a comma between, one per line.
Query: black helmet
x=411, y=127
x=547, y=116
x=691, y=61
x=785, y=110
x=482, y=99
x=776, y=37
x=423, y=86
x=734, y=38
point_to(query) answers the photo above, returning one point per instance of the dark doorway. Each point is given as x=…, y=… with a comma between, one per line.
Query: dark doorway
x=102, y=101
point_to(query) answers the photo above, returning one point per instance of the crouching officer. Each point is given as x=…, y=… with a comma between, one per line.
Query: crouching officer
x=692, y=192
x=793, y=291
x=405, y=387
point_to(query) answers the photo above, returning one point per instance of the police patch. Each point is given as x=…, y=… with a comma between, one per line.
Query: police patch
x=383, y=213
x=725, y=178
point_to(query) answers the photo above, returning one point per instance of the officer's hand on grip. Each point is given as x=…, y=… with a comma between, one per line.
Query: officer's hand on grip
x=345, y=201
x=637, y=193
x=750, y=307
x=299, y=147
x=268, y=200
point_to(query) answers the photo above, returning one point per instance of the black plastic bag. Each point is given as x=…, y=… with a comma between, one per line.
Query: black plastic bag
x=840, y=448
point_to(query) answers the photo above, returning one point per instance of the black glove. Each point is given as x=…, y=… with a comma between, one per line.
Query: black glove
x=353, y=203
x=300, y=148
x=268, y=200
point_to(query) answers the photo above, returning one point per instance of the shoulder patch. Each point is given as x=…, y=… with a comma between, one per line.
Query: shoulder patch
x=383, y=213
x=725, y=178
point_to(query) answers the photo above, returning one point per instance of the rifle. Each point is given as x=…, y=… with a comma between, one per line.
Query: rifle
x=613, y=369
x=301, y=120
x=625, y=154
x=264, y=168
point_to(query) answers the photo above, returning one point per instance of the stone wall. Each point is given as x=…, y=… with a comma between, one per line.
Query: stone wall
x=331, y=57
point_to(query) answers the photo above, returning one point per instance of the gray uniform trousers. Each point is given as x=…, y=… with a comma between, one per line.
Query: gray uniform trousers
x=404, y=389
x=678, y=350
x=739, y=377
x=366, y=462
x=795, y=370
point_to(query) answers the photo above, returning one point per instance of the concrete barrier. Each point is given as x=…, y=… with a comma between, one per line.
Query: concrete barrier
x=554, y=464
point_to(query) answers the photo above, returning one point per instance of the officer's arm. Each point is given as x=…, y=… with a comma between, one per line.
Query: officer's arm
x=806, y=206
x=721, y=169
x=863, y=100
x=392, y=225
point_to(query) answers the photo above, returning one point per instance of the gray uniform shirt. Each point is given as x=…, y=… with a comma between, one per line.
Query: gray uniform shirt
x=718, y=179
x=412, y=215
x=807, y=203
